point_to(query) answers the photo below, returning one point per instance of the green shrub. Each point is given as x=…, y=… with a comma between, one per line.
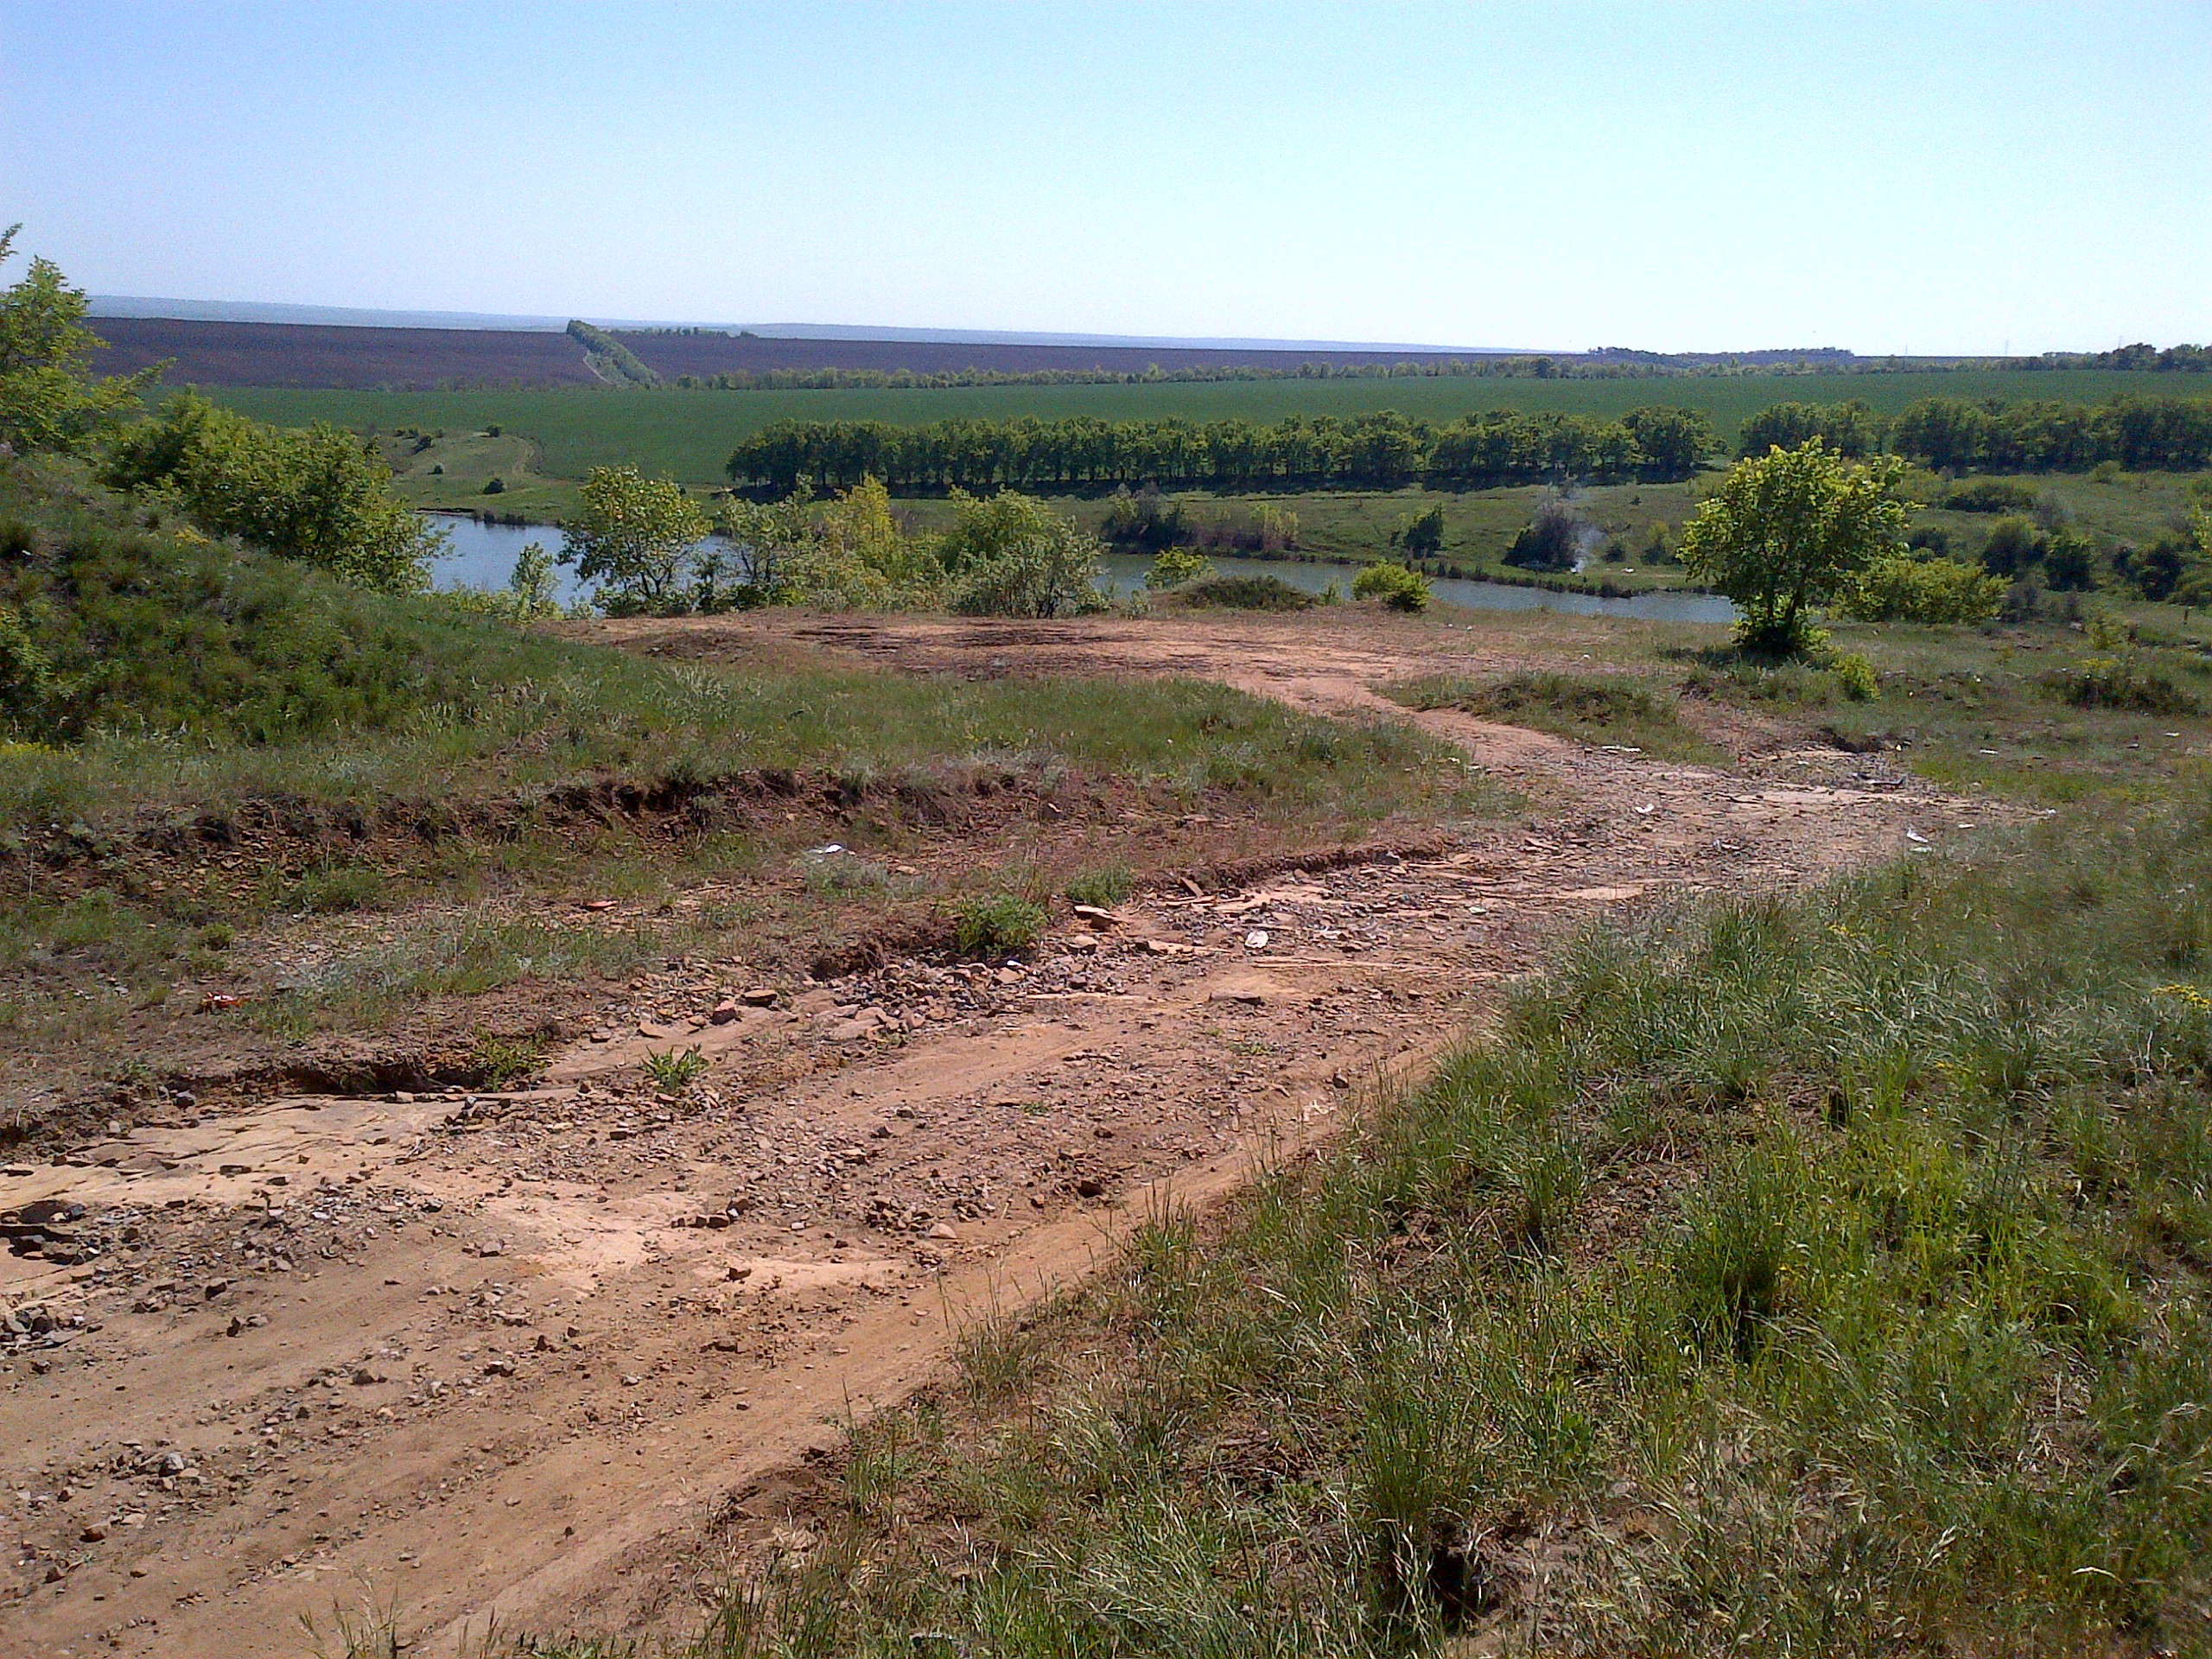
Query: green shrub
x=2119, y=683
x=1399, y=587
x=1941, y=591
x=1174, y=566
x=314, y=493
x=1244, y=594
x=996, y=924
x=1855, y=676
x=1990, y=495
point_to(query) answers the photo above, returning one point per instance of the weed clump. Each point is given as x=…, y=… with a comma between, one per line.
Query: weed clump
x=996, y=923
x=1101, y=889
x=675, y=1071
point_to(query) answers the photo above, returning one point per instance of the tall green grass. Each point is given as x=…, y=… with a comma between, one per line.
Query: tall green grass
x=1823, y=1275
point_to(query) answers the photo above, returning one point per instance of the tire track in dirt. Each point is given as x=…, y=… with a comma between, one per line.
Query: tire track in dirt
x=477, y=1357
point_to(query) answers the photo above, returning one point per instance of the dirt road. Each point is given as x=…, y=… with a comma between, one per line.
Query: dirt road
x=522, y=1355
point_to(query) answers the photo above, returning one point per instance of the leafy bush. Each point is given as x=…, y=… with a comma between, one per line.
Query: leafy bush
x=995, y=924
x=1551, y=540
x=1174, y=567
x=1245, y=593
x=1990, y=495
x=2014, y=546
x=1399, y=587
x=1145, y=520
x=1855, y=676
x=1010, y=555
x=1790, y=531
x=1941, y=591
x=317, y=494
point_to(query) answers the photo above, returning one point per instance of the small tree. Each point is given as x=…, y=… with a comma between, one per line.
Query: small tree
x=635, y=536
x=1787, y=531
x=529, y=584
x=1551, y=540
x=1423, y=535
x=49, y=399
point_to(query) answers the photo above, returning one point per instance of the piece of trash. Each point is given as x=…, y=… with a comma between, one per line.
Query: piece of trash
x=599, y=904
x=1647, y=810
x=1915, y=835
x=834, y=847
x=1256, y=939
x=216, y=1001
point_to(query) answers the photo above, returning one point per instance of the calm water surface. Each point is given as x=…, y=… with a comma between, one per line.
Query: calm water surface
x=483, y=555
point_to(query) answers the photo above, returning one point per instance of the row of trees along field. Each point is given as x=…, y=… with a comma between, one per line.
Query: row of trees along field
x=1380, y=450
x=1958, y=434
x=1386, y=449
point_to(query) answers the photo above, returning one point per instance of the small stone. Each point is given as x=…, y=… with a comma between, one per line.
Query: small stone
x=761, y=996
x=363, y=1376
x=215, y=1288
x=942, y=1231
x=723, y=1012
x=94, y=1534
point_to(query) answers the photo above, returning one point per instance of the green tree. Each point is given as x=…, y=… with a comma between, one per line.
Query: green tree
x=315, y=494
x=1671, y=442
x=635, y=537
x=1787, y=532
x=49, y=397
x=529, y=584
x=1423, y=536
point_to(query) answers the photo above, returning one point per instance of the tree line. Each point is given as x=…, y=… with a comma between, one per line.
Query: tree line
x=1958, y=434
x=1384, y=450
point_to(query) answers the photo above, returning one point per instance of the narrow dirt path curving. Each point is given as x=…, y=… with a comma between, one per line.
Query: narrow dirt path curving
x=524, y=1355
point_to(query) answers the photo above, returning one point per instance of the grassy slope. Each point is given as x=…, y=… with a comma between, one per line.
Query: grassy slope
x=1823, y=1276
x=691, y=434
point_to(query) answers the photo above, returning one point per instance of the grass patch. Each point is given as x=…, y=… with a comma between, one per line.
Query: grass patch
x=997, y=924
x=1601, y=709
x=1101, y=888
x=1820, y=1276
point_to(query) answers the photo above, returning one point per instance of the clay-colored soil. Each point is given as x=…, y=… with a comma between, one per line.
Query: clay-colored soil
x=524, y=1355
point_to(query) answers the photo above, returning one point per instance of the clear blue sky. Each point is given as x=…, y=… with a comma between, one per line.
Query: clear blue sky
x=1924, y=177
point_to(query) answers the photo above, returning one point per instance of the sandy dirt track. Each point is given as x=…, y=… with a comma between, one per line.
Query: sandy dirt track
x=539, y=1355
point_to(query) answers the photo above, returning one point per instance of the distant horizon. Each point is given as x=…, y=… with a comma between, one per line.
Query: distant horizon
x=130, y=306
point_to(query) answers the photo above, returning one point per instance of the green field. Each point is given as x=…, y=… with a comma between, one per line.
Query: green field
x=690, y=435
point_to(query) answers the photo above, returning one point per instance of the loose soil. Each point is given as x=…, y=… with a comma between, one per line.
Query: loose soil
x=543, y=1356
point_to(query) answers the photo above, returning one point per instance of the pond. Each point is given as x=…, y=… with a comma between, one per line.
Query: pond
x=483, y=555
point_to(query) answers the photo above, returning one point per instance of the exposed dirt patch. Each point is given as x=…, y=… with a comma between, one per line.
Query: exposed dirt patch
x=527, y=1352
